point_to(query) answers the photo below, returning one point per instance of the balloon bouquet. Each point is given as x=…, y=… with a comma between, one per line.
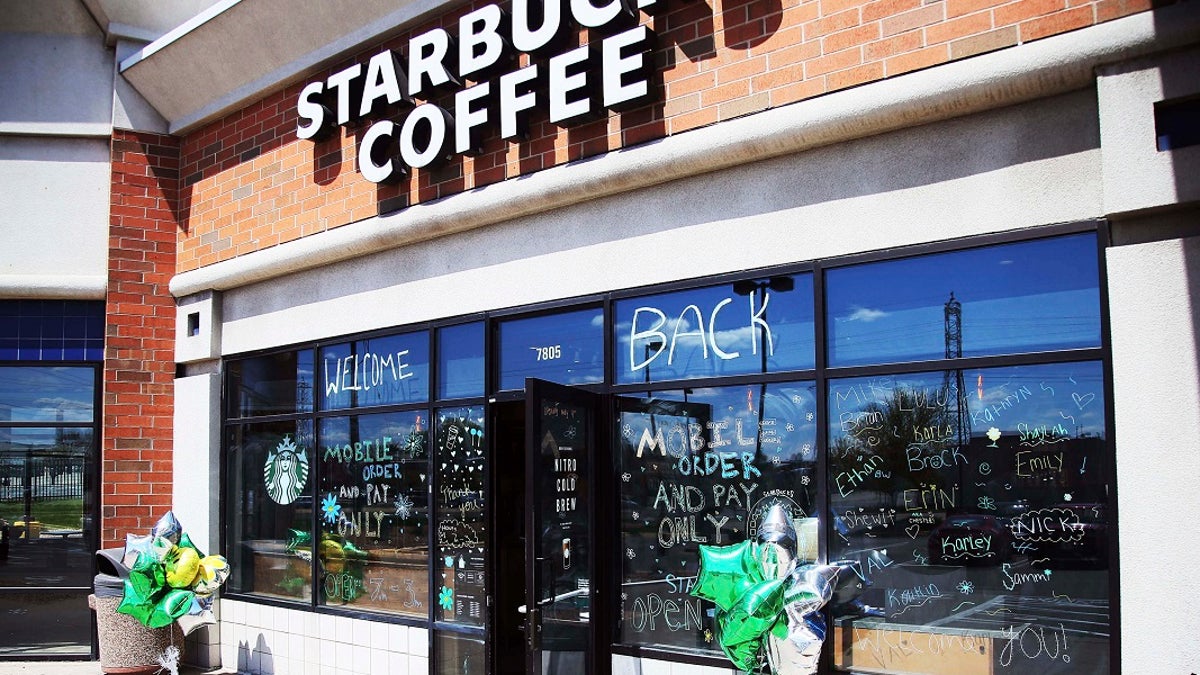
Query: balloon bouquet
x=768, y=605
x=169, y=579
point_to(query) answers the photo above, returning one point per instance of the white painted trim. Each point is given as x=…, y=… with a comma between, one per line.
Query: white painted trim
x=57, y=129
x=1006, y=77
x=52, y=287
x=188, y=26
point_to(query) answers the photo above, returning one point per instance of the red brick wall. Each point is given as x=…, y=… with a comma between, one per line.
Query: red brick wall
x=249, y=184
x=139, y=360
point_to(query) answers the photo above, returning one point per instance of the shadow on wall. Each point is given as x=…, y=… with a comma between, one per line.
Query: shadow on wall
x=257, y=659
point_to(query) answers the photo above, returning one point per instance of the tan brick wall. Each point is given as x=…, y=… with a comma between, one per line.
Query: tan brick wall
x=139, y=359
x=249, y=184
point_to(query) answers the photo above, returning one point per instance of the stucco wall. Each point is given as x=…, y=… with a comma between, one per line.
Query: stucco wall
x=54, y=223
x=56, y=83
x=1154, y=292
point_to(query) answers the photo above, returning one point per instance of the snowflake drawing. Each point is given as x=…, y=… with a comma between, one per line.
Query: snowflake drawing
x=789, y=426
x=1048, y=572
x=414, y=444
x=630, y=554
x=625, y=477
x=966, y=587
x=627, y=431
x=808, y=416
x=404, y=506
x=804, y=480
x=570, y=433
x=330, y=509
x=635, y=515
x=446, y=598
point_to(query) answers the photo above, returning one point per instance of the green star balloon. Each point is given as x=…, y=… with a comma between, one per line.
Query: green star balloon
x=746, y=624
x=726, y=573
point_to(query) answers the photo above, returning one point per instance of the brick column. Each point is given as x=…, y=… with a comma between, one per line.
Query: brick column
x=139, y=362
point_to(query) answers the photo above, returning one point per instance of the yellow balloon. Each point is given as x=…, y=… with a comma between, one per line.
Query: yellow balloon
x=183, y=564
x=333, y=556
x=214, y=570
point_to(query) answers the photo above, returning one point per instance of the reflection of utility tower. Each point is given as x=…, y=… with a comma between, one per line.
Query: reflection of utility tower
x=953, y=314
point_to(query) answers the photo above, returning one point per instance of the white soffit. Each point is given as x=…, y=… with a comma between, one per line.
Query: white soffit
x=237, y=51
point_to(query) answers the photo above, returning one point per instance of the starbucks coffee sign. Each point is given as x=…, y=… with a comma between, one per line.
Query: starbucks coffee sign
x=571, y=84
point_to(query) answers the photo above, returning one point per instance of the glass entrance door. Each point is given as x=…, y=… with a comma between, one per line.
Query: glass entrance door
x=560, y=522
x=47, y=537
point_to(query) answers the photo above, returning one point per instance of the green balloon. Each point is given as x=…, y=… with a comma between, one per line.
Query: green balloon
x=744, y=627
x=176, y=603
x=186, y=542
x=146, y=579
x=726, y=572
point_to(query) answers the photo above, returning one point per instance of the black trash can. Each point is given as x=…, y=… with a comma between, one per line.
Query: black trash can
x=126, y=646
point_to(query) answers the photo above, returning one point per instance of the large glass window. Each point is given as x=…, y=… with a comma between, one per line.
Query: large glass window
x=48, y=501
x=703, y=467
x=269, y=385
x=379, y=371
x=973, y=505
x=374, y=512
x=268, y=469
x=751, y=326
x=1029, y=296
x=460, y=521
x=460, y=361
x=567, y=348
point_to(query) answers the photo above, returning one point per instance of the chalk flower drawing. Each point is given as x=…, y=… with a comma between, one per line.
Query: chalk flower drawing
x=414, y=444
x=286, y=471
x=404, y=506
x=966, y=587
x=330, y=509
x=446, y=598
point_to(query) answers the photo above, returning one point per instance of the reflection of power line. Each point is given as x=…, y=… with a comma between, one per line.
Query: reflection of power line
x=953, y=329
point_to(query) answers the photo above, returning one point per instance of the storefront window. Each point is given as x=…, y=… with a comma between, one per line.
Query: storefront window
x=973, y=506
x=1030, y=296
x=567, y=348
x=47, y=393
x=269, y=385
x=377, y=371
x=269, y=485
x=702, y=467
x=460, y=535
x=752, y=326
x=374, y=512
x=460, y=361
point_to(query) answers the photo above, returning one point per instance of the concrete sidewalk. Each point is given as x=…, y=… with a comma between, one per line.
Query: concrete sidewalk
x=83, y=668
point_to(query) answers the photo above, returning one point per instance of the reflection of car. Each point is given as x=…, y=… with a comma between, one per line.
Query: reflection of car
x=969, y=539
x=1089, y=551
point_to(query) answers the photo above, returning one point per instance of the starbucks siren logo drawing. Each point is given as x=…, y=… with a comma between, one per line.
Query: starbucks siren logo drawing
x=286, y=471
